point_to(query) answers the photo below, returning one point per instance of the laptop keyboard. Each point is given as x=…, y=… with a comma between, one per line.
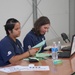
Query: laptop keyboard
x=65, y=54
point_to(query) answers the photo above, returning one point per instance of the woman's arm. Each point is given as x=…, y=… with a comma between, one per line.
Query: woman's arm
x=17, y=58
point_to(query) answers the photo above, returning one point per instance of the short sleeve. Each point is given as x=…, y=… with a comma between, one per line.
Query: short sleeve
x=6, y=50
x=28, y=41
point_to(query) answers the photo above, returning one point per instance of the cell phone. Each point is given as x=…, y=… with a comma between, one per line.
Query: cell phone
x=33, y=59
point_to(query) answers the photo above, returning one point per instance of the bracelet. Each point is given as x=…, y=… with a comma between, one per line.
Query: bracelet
x=29, y=53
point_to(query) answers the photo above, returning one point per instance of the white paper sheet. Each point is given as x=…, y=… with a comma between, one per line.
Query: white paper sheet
x=24, y=68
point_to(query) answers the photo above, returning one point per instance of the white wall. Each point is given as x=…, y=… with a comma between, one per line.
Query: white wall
x=19, y=9
x=56, y=10
x=72, y=18
x=58, y=13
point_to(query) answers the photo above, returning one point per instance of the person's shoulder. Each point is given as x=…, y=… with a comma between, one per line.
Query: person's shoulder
x=4, y=39
x=5, y=42
x=31, y=34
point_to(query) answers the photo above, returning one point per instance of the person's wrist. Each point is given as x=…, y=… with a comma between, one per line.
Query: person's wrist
x=29, y=53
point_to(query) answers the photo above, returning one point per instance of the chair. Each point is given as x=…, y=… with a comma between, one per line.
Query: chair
x=65, y=37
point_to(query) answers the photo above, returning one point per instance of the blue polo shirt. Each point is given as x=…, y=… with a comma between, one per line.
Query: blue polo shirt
x=8, y=49
x=32, y=39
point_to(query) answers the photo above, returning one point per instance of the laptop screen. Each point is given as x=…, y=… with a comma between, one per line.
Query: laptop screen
x=73, y=45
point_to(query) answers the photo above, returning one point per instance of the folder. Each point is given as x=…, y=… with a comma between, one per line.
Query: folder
x=39, y=45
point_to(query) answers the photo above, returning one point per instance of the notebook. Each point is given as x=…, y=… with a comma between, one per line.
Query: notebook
x=67, y=54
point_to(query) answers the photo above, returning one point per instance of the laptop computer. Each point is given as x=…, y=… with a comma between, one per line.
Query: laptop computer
x=67, y=54
x=66, y=47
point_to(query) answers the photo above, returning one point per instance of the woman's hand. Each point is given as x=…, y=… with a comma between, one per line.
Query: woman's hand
x=33, y=51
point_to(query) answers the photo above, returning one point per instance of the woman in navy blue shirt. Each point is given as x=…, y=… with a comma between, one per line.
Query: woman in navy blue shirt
x=11, y=50
x=36, y=35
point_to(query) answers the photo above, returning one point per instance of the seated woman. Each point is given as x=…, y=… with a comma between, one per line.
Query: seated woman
x=11, y=50
x=36, y=35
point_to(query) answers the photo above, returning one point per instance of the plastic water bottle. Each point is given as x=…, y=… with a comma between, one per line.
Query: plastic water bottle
x=54, y=44
x=59, y=46
x=53, y=53
x=56, y=49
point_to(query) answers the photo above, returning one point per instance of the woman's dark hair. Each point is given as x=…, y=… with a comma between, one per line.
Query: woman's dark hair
x=10, y=25
x=40, y=22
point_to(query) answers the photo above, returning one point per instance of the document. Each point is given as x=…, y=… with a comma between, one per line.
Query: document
x=24, y=68
x=11, y=69
x=42, y=55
